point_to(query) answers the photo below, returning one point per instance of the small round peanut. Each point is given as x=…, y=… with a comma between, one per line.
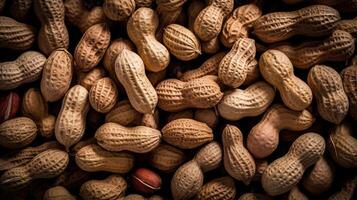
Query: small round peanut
x=166, y=158
x=103, y=95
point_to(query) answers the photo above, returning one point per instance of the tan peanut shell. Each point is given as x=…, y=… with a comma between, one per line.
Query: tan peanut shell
x=71, y=121
x=208, y=116
x=53, y=33
x=17, y=132
x=169, y=5
x=182, y=114
x=346, y=191
x=175, y=95
x=92, y=46
x=88, y=79
x=16, y=35
x=12, y=72
x=156, y=77
x=141, y=29
x=130, y=71
x=134, y=197
x=348, y=25
x=253, y=73
x=208, y=23
x=166, y=158
x=57, y=75
x=239, y=23
x=253, y=101
x=237, y=160
x=327, y=87
x=112, y=187
x=220, y=188
x=58, y=193
x=233, y=68
x=285, y=172
x=342, y=145
x=45, y=165
x=166, y=18
x=139, y=139
x=186, y=133
x=209, y=157
x=211, y=46
x=93, y=158
x=339, y=46
x=123, y=113
x=103, y=95
x=277, y=69
x=313, y=21
x=263, y=138
x=25, y=155
x=118, y=10
x=181, y=42
x=349, y=81
x=194, y=9
x=254, y=196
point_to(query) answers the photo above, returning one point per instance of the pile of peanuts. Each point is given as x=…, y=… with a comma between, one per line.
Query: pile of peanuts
x=178, y=99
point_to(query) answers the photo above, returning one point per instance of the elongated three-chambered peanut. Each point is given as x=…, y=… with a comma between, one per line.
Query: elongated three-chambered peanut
x=175, y=95
x=17, y=133
x=208, y=23
x=47, y=164
x=112, y=187
x=139, y=139
x=285, y=172
x=53, y=33
x=57, y=75
x=57, y=193
x=339, y=46
x=16, y=35
x=277, y=69
x=103, y=95
x=232, y=69
x=88, y=79
x=239, y=23
x=327, y=87
x=92, y=46
x=253, y=101
x=118, y=10
x=263, y=139
x=237, y=160
x=316, y=20
x=130, y=71
x=181, y=42
x=186, y=133
x=93, y=158
x=166, y=157
x=71, y=121
x=141, y=29
x=25, y=69
x=220, y=188
x=349, y=81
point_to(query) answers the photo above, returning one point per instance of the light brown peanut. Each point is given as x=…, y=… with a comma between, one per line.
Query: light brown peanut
x=349, y=81
x=88, y=79
x=103, y=95
x=277, y=69
x=237, y=160
x=263, y=138
x=58, y=193
x=139, y=139
x=12, y=72
x=208, y=116
x=71, y=121
x=220, y=188
x=313, y=21
x=47, y=164
x=169, y=5
x=118, y=10
x=211, y=46
x=166, y=18
x=348, y=25
x=123, y=113
x=253, y=101
x=285, y=172
x=130, y=71
x=16, y=35
x=57, y=75
x=141, y=29
x=93, y=158
x=166, y=158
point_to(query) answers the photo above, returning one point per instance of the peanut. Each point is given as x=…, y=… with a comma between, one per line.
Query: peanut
x=253, y=73
x=47, y=164
x=277, y=69
x=93, y=158
x=141, y=29
x=118, y=10
x=139, y=139
x=166, y=158
x=313, y=21
x=70, y=122
x=211, y=46
x=296, y=194
x=343, y=146
x=123, y=113
x=232, y=69
x=348, y=25
x=58, y=193
x=253, y=101
x=57, y=75
x=220, y=188
x=349, y=81
x=12, y=73
x=169, y=5
x=327, y=87
x=285, y=172
x=194, y=9
x=186, y=133
x=53, y=33
x=103, y=95
x=175, y=95
x=263, y=138
x=346, y=191
x=208, y=23
x=16, y=35
x=156, y=77
x=130, y=71
x=166, y=18
x=88, y=79
x=113, y=187
x=208, y=116
x=339, y=46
